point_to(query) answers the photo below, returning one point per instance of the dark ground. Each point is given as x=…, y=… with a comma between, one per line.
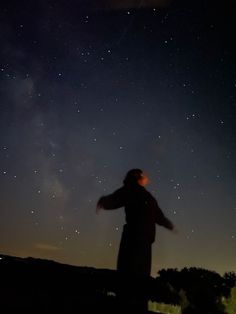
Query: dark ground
x=43, y=286
x=30, y=285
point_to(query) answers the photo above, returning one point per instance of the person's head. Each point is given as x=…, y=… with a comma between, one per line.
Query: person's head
x=136, y=176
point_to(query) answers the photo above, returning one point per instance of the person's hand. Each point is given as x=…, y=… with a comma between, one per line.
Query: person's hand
x=99, y=207
x=175, y=230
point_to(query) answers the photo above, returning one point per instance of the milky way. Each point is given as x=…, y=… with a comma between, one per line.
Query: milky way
x=88, y=93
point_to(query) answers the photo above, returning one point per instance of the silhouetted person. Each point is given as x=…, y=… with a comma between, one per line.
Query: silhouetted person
x=142, y=214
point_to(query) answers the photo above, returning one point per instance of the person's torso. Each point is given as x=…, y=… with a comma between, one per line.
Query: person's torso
x=140, y=215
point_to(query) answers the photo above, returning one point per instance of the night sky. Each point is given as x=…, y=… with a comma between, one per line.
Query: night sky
x=90, y=90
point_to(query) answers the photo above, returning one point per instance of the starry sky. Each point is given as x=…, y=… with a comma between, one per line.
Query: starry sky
x=92, y=89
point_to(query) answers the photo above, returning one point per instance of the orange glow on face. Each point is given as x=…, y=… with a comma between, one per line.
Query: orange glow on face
x=144, y=180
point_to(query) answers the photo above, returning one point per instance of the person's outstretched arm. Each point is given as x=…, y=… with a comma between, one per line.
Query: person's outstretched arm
x=161, y=219
x=112, y=201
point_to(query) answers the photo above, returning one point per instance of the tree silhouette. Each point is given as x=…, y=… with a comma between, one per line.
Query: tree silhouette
x=230, y=279
x=204, y=289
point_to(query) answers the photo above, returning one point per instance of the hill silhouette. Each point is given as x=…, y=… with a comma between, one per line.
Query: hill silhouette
x=44, y=286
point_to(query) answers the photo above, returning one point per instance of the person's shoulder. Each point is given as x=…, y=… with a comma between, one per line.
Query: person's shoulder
x=149, y=194
x=143, y=191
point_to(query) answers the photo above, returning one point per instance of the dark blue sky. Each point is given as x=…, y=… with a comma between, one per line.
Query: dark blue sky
x=89, y=92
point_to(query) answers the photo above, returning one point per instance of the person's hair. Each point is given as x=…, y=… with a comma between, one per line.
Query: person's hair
x=132, y=176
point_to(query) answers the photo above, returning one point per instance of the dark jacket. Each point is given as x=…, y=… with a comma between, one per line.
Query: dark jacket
x=141, y=210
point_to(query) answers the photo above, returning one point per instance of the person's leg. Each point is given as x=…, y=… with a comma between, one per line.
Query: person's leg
x=123, y=269
x=134, y=267
x=142, y=271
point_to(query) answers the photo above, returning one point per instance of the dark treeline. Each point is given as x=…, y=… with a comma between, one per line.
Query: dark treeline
x=43, y=286
x=201, y=290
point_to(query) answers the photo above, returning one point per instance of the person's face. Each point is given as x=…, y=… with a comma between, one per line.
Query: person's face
x=144, y=180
